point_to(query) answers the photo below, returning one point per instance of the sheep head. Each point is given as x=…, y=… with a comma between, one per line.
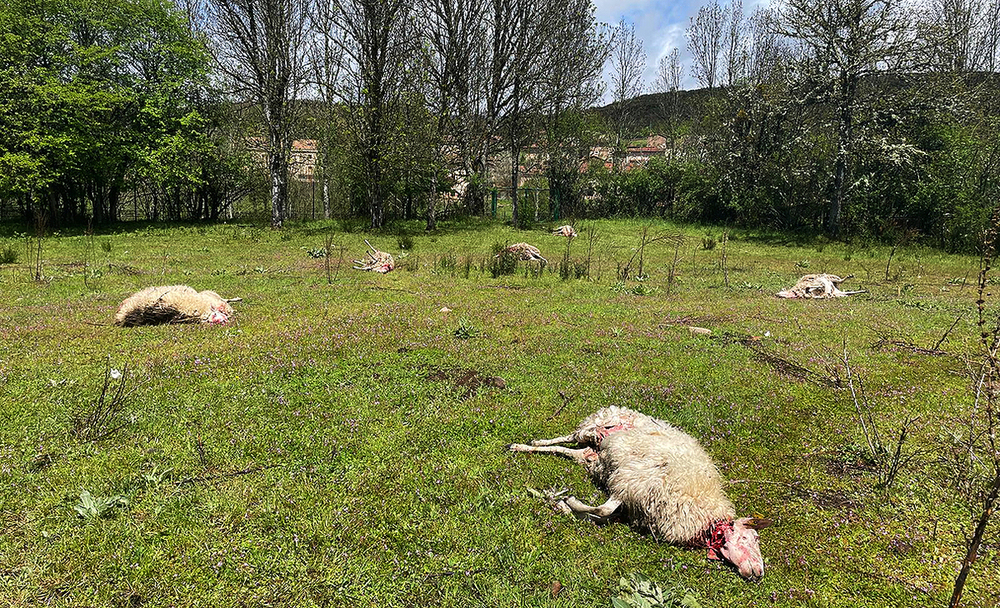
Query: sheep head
x=742, y=546
x=220, y=314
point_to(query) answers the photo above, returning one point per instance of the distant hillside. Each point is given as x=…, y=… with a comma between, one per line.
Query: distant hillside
x=653, y=109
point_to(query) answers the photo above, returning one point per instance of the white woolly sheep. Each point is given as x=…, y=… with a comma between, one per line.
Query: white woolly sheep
x=172, y=304
x=526, y=252
x=663, y=480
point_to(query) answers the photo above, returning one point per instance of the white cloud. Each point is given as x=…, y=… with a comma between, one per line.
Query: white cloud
x=659, y=24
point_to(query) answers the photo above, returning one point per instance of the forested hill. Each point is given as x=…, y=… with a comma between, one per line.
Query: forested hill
x=653, y=109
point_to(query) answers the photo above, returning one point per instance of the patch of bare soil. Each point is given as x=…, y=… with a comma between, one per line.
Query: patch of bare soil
x=841, y=465
x=468, y=380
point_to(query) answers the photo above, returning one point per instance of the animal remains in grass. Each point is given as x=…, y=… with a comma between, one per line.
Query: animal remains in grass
x=173, y=304
x=526, y=253
x=566, y=231
x=816, y=287
x=660, y=478
x=377, y=261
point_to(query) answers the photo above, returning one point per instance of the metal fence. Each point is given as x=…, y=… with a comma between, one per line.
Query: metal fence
x=536, y=204
x=305, y=202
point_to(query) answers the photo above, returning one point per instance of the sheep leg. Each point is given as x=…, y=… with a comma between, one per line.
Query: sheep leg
x=579, y=455
x=598, y=514
x=555, y=441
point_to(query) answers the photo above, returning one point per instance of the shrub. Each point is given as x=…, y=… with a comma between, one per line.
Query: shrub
x=9, y=255
x=411, y=263
x=502, y=262
x=465, y=330
x=638, y=591
x=405, y=242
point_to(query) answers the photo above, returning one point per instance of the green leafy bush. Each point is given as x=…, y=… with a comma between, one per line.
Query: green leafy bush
x=502, y=262
x=9, y=255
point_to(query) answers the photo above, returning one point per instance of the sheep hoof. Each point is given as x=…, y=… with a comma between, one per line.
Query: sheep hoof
x=562, y=507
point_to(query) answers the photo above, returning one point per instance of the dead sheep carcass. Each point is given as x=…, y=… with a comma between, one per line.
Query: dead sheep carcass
x=817, y=286
x=173, y=304
x=660, y=478
x=377, y=261
x=525, y=252
x=566, y=231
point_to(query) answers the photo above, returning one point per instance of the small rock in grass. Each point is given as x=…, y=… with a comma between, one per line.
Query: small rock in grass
x=700, y=331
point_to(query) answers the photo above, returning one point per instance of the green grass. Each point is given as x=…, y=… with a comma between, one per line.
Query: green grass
x=317, y=456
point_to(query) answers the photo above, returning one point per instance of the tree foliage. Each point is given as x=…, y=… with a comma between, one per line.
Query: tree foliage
x=96, y=95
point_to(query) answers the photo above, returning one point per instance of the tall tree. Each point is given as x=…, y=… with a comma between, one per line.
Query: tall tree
x=578, y=48
x=963, y=35
x=668, y=84
x=94, y=96
x=628, y=62
x=705, y=35
x=376, y=38
x=844, y=41
x=734, y=46
x=764, y=48
x=518, y=67
x=260, y=46
x=451, y=59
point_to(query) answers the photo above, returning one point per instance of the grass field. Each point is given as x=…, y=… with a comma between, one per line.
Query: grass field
x=338, y=444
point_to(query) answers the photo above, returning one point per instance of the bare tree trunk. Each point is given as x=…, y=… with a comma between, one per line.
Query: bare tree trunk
x=431, y=206
x=977, y=537
x=845, y=132
x=515, y=170
x=326, y=197
x=278, y=169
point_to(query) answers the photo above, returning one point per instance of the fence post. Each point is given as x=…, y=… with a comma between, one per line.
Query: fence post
x=494, y=193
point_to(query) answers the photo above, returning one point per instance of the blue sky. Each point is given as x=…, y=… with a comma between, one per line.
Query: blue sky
x=661, y=25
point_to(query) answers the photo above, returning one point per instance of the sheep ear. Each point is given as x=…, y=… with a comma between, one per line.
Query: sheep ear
x=758, y=523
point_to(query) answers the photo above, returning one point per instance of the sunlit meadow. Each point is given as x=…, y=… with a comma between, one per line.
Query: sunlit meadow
x=339, y=443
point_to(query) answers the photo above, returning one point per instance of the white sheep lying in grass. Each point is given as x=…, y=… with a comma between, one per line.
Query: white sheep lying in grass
x=173, y=304
x=525, y=252
x=662, y=479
